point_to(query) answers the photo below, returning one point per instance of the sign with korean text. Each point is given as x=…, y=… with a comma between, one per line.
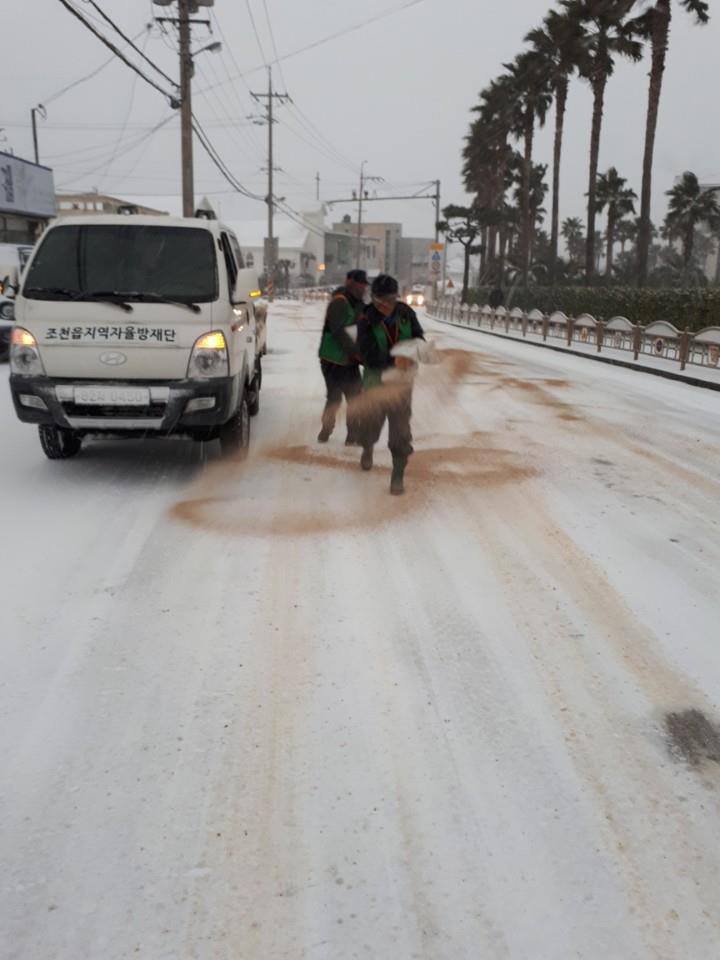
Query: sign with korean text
x=126, y=333
x=26, y=188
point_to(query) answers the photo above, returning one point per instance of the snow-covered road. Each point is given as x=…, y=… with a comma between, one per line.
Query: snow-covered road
x=264, y=711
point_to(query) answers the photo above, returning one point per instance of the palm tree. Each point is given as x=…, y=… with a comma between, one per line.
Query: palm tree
x=626, y=232
x=656, y=24
x=573, y=233
x=619, y=200
x=690, y=206
x=607, y=34
x=497, y=114
x=538, y=192
x=530, y=79
x=461, y=225
x=558, y=42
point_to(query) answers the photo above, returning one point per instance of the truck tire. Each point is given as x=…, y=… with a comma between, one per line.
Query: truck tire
x=57, y=443
x=254, y=391
x=235, y=434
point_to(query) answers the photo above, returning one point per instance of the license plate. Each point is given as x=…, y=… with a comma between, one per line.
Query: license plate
x=113, y=396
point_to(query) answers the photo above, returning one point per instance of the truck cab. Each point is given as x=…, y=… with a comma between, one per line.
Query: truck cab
x=136, y=326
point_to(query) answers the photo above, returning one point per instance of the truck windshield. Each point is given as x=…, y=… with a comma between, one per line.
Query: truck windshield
x=134, y=262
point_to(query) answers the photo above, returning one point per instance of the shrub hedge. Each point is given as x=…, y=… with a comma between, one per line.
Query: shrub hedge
x=691, y=308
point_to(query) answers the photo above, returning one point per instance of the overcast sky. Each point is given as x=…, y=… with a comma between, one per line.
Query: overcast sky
x=396, y=92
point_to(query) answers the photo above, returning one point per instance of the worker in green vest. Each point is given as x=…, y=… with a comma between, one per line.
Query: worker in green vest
x=387, y=379
x=339, y=356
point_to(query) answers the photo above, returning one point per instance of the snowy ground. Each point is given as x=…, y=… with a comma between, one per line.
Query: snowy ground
x=268, y=712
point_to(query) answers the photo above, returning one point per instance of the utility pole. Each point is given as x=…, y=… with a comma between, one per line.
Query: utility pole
x=33, y=113
x=270, y=242
x=317, y=185
x=186, y=131
x=437, y=239
x=184, y=23
x=361, y=196
x=359, y=223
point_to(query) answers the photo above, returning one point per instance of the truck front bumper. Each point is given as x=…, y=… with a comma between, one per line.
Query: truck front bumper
x=192, y=407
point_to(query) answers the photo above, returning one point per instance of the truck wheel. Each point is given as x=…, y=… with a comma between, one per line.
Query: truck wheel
x=235, y=434
x=57, y=443
x=254, y=391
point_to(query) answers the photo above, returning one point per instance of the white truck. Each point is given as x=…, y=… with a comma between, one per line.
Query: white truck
x=136, y=326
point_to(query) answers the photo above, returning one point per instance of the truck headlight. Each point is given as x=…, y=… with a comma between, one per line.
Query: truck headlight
x=24, y=354
x=209, y=357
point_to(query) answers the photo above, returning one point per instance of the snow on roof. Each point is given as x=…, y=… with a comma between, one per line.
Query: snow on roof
x=252, y=233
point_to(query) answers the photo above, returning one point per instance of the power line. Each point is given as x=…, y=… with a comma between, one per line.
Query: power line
x=88, y=76
x=298, y=218
x=172, y=100
x=128, y=113
x=272, y=41
x=103, y=154
x=317, y=146
x=244, y=107
x=121, y=153
x=255, y=31
x=318, y=142
x=337, y=35
x=228, y=124
x=128, y=40
x=307, y=122
x=207, y=145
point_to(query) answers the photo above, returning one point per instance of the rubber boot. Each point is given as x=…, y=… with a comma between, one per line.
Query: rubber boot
x=366, y=460
x=397, y=485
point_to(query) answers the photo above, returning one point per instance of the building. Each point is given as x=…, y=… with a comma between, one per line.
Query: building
x=368, y=256
x=414, y=261
x=387, y=242
x=406, y=258
x=342, y=255
x=300, y=249
x=100, y=204
x=27, y=200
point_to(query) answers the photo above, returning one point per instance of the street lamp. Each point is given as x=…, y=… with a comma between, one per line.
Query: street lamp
x=214, y=47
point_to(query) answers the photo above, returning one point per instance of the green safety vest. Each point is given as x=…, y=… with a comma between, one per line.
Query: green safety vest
x=387, y=334
x=330, y=349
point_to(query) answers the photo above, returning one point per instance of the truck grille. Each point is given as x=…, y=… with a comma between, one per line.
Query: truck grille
x=153, y=411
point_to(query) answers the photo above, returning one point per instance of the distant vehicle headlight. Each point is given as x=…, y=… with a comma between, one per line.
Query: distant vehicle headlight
x=24, y=354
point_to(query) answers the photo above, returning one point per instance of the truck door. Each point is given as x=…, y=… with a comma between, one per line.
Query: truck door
x=241, y=345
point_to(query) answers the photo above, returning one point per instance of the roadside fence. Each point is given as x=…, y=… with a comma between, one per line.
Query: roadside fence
x=661, y=339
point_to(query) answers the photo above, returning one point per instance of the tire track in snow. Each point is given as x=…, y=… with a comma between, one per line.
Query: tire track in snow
x=637, y=772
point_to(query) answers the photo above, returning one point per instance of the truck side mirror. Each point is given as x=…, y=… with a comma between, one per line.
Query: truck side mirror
x=246, y=287
x=9, y=286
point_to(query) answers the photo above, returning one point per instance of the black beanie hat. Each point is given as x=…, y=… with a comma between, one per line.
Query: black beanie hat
x=384, y=286
x=359, y=276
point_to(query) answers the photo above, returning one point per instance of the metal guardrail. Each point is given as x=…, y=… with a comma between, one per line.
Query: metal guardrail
x=659, y=339
x=315, y=293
